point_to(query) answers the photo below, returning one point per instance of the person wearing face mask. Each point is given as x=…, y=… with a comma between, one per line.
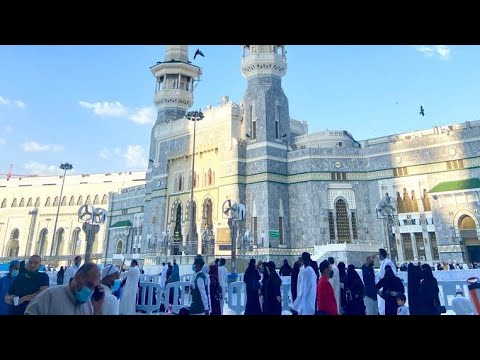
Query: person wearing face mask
x=6, y=282
x=110, y=282
x=370, y=299
x=72, y=270
x=82, y=296
x=26, y=286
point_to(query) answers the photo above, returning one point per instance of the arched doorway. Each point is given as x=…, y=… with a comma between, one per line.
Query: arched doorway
x=13, y=244
x=177, y=232
x=468, y=234
x=42, y=242
x=343, y=222
x=119, y=249
x=59, y=238
x=208, y=240
x=76, y=242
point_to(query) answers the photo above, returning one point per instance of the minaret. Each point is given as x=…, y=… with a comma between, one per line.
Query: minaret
x=174, y=83
x=175, y=78
x=266, y=104
x=267, y=135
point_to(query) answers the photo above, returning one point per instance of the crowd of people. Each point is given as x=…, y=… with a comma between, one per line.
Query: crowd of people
x=317, y=289
x=330, y=289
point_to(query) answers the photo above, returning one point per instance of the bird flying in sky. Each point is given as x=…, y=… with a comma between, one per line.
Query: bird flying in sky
x=198, y=52
x=422, y=112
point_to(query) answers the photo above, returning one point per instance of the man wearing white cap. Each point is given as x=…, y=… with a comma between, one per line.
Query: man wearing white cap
x=462, y=305
x=111, y=282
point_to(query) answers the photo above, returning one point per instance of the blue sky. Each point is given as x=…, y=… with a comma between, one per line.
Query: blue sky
x=92, y=105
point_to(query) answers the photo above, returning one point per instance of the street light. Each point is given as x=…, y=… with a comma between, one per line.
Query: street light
x=193, y=116
x=386, y=209
x=64, y=167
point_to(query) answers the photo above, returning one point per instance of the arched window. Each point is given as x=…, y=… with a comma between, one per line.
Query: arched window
x=72, y=201
x=14, y=202
x=29, y=202
x=42, y=243
x=180, y=183
x=13, y=244
x=48, y=202
x=88, y=201
x=80, y=200
x=75, y=242
x=104, y=199
x=22, y=202
x=4, y=203
x=209, y=177
x=426, y=201
x=414, y=202
x=119, y=249
x=55, y=202
x=96, y=200
x=59, y=240
x=343, y=222
x=194, y=179
x=64, y=201
x=37, y=202
x=407, y=201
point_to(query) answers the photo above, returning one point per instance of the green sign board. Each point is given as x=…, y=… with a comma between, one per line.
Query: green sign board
x=274, y=234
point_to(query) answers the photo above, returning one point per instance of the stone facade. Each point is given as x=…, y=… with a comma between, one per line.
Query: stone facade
x=303, y=192
x=28, y=208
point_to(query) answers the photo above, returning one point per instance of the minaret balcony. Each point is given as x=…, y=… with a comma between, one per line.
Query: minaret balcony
x=264, y=64
x=173, y=96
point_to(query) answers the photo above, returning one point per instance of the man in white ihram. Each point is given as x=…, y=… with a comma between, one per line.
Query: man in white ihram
x=223, y=280
x=128, y=301
x=335, y=282
x=163, y=275
x=306, y=288
x=72, y=270
x=110, y=282
x=462, y=305
x=384, y=261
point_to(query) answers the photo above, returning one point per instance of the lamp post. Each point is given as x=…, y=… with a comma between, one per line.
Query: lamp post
x=64, y=167
x=386, y=209
x=32, y=213
x=193, y=116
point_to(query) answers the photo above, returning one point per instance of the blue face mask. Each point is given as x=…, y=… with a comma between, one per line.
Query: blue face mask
x=14, y=273
x=83, y=295
x=116, y=284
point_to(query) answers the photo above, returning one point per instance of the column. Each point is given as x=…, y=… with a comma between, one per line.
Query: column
x=414, y=246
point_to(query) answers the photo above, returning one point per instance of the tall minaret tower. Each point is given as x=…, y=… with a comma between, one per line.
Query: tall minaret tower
x=267, y=134
x=174, y=83
x=175, y=78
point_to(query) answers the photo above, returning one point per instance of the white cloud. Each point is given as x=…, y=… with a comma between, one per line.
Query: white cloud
x=442, y=51
x=105, y=108
x=132, y=157
x=2, y=141
x=143, y=115
x=32, y=146
x=135, y=157
x=104, y=154
x=18, y=103
x=108, y=154
x=36, y=168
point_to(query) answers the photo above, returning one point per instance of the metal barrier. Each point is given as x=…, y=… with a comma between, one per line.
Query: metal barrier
x=237, y=297
x=150, y=297
x=181, y=298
